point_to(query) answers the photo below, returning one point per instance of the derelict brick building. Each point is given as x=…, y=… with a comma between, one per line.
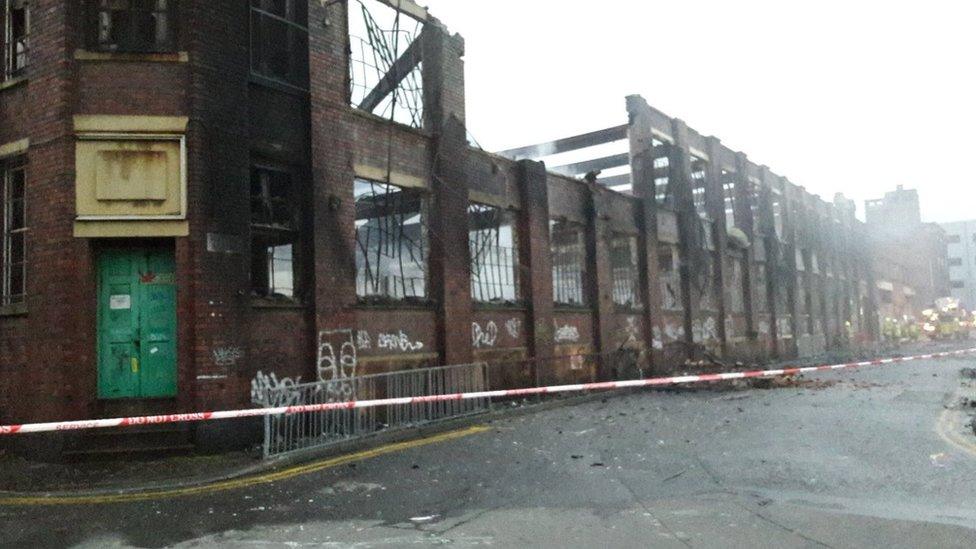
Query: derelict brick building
x=198, y=191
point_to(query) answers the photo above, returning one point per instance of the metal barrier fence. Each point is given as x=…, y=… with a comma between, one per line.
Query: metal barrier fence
x=288, y=433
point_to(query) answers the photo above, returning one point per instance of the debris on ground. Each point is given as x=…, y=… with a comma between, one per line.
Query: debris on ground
x=969, y=373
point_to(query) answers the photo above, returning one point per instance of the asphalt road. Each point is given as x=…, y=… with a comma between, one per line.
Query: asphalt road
x=869, y=458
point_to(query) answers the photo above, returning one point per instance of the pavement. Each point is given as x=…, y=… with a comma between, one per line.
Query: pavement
x=874, y=457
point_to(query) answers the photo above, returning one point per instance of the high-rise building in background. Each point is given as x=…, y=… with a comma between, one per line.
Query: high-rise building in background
x=961, y=238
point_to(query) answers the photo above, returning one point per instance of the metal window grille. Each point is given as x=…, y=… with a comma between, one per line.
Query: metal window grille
x=13, y=180
x=279, y=41
x=494, y=255
x=385, y=66
x=391, y=242
x=624, y=272
x=16, y=32
x=134, y=25
x=568, y=248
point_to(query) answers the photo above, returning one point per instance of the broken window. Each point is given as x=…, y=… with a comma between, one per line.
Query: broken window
x=13, y=207
x=275, y=232
x=133, y=25
x=391, y=242
x=494, y=255
x=569, y=278
x=625, y=272
x=385, y=67
x=279, y=41
x=16, y=17
x=670, y=277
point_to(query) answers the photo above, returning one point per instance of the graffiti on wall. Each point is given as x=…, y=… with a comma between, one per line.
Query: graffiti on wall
x=399, y=341
x=484, y=337
x=337, y=362
x=269, y=391
x=227, y=356
x=513, y=326
x=567, y=334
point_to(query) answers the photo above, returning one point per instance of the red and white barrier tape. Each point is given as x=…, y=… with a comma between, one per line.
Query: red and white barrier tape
x=602, y=386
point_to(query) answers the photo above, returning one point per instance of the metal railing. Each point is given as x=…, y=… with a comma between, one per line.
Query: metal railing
x=288, y=433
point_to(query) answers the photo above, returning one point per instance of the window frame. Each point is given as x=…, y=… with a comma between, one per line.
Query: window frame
x=423, y=210
x=633, y=245
x=507, y=217
x=583, y=262
x=271, y=231
x=130, y=45
x=298, y=81
x=10, y=58
x=7, y=233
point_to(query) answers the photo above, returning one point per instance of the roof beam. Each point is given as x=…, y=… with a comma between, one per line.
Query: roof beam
x=582, y=141
x=597, y=164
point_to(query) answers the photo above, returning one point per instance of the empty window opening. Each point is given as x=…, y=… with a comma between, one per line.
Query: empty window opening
x=279, y=41
x=386, y=74
x=16, y=27
x=13, y=209
x=391, y=242
x=625, y=272
x=569, y=278
x=670, y=278
x=133, y=25
x=698, y=184
x=662, y=172
x=275, y=232
x=778, y=212
x=728, y=189
x=494, y=254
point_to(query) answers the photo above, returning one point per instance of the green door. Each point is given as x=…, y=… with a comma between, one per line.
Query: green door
x=136, y=324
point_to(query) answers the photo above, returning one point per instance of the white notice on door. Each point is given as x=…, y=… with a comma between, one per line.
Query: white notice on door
x=117, y=302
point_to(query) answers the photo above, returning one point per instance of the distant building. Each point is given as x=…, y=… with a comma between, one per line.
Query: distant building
x=911, y=257
x=898, y=212
x=961, y=238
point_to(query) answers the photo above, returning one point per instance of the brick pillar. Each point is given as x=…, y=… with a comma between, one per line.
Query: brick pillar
x=450, y=257
x=789, y=261
x=642, y=179
x=536, y=263
x=715, y=205
x=744, y=221
x=690, y=248
x=333, y=208
x=601, y=283
x=767, y=226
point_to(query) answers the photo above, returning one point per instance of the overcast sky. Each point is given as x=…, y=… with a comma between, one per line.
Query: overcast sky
x=855, y=96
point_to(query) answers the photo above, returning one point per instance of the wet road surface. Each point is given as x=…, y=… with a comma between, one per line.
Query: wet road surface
x=863, y=458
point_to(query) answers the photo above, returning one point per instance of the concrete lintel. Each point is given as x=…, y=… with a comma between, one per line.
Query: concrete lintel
x=408, y=7
x=375, y=173
x=109, y=123
x=14, y=147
